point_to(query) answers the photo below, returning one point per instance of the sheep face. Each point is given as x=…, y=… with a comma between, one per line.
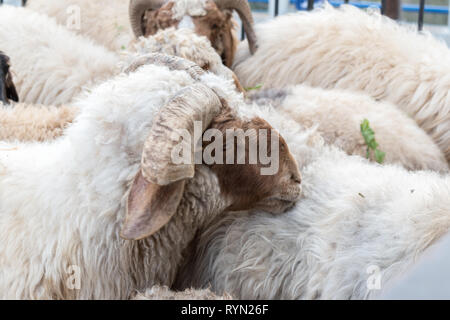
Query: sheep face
x=215, y=24
x=245, y=183
x=158, y=188
x=218, y=26
x=212, y=19
x=7, y=88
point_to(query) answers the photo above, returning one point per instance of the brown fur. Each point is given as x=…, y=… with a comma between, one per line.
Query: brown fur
x=155, y=20
x=216, y=25
x=244, y=182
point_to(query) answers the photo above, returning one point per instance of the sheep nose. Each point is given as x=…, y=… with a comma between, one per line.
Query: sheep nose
x=296, y=178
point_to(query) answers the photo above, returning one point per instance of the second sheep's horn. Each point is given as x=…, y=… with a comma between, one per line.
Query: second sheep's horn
x=245, y=13
x=137, y=10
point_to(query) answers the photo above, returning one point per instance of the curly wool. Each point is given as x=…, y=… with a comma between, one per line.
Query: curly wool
x=334, y=114
x=348, y=48
x=183, y=43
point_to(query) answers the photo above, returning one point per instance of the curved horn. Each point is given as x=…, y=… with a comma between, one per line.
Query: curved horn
x=172, y=62
x=195, y=103
x=137, y=10
x=157, y=189
x=245, y=13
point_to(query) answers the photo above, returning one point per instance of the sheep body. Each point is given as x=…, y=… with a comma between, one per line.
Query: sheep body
x=337, y=114
x=348, y=48
x=74, y=189
x=62, y=203
x=354, y=219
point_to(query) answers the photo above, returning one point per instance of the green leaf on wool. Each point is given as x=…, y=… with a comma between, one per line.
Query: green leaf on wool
x=369, y=138
x=258, y=86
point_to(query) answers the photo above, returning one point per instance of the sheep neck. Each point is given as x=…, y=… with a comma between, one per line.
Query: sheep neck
x=157, y=258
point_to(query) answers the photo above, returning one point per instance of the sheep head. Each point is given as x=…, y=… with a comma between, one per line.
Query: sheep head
x=158, y=187
x=213, y=21
x=7, y=88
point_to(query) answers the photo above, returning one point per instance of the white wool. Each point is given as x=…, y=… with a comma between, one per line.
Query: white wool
x=105, y=21
x=188, y=7
x=348, y=48
x=183, y=43
x=353, y=216
x=334, y=115
x=50, y=64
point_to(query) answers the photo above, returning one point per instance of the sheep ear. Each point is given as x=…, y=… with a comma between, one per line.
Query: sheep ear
x=11, y=92
x=149, y=207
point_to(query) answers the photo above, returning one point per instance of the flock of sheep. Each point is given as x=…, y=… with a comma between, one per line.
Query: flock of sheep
x=92, y=207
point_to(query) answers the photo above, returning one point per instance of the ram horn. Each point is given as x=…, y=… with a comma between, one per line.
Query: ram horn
x=172, y=62
x=137, y=10
x=245, y=13
x=195, y=103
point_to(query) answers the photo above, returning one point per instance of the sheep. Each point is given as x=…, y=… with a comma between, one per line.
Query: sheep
x=164, y=293
x=348, y=48
x=7, y=88
x=64, y=204
x=53, y=66
x=108, y=24
x=338, y=120
x=24, y=122
x=357, y=227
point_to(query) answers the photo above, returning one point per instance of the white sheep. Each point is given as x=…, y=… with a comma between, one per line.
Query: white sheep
x=52, y=65
x=115, y=23
x=62, y=203
x=354, y=219
x=338, y=114
x=348, y=48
